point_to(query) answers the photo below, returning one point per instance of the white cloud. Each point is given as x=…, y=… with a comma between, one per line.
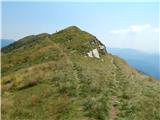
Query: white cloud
x=132, y=28
x=139, y=28
x=141, y=37
x=120, y=31
x=156, y=30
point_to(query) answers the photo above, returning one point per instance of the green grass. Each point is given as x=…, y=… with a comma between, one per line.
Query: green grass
x=45, y=77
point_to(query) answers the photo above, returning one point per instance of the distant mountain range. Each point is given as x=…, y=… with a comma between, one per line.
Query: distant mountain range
x=5, y=42
x=144, y=62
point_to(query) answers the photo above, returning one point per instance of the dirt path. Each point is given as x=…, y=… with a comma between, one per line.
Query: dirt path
x=114, y=109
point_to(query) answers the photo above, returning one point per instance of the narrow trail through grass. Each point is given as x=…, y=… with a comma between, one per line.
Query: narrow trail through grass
x=114, y=109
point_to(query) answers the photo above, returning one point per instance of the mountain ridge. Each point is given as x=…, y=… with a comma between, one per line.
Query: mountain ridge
x=70, y=75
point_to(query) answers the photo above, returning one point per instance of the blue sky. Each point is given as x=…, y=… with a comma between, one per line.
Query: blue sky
x=120, y=25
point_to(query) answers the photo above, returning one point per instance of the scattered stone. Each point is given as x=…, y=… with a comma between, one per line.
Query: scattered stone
x=102, y=59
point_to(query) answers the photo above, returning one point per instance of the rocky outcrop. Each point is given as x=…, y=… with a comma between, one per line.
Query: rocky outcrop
x=101, y=47
x=94, y=53
x=90, y=54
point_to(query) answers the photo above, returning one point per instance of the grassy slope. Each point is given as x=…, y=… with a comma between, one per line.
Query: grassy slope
x=51, y=79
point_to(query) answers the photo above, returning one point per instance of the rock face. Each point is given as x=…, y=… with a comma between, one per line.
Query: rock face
x=90, y=54
x=101, y=47
x=94, y=53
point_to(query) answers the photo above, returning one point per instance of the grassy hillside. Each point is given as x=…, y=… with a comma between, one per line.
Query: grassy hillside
x=50, y=77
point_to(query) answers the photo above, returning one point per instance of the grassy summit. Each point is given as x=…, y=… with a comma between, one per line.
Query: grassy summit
x=51, y=77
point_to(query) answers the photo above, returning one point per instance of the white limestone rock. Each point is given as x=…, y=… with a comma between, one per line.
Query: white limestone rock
x=93, y=53
x=101, y=47
x=90, y=54
x=96, y=53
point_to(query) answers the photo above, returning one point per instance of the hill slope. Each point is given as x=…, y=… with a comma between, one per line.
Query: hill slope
x=68, y=75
